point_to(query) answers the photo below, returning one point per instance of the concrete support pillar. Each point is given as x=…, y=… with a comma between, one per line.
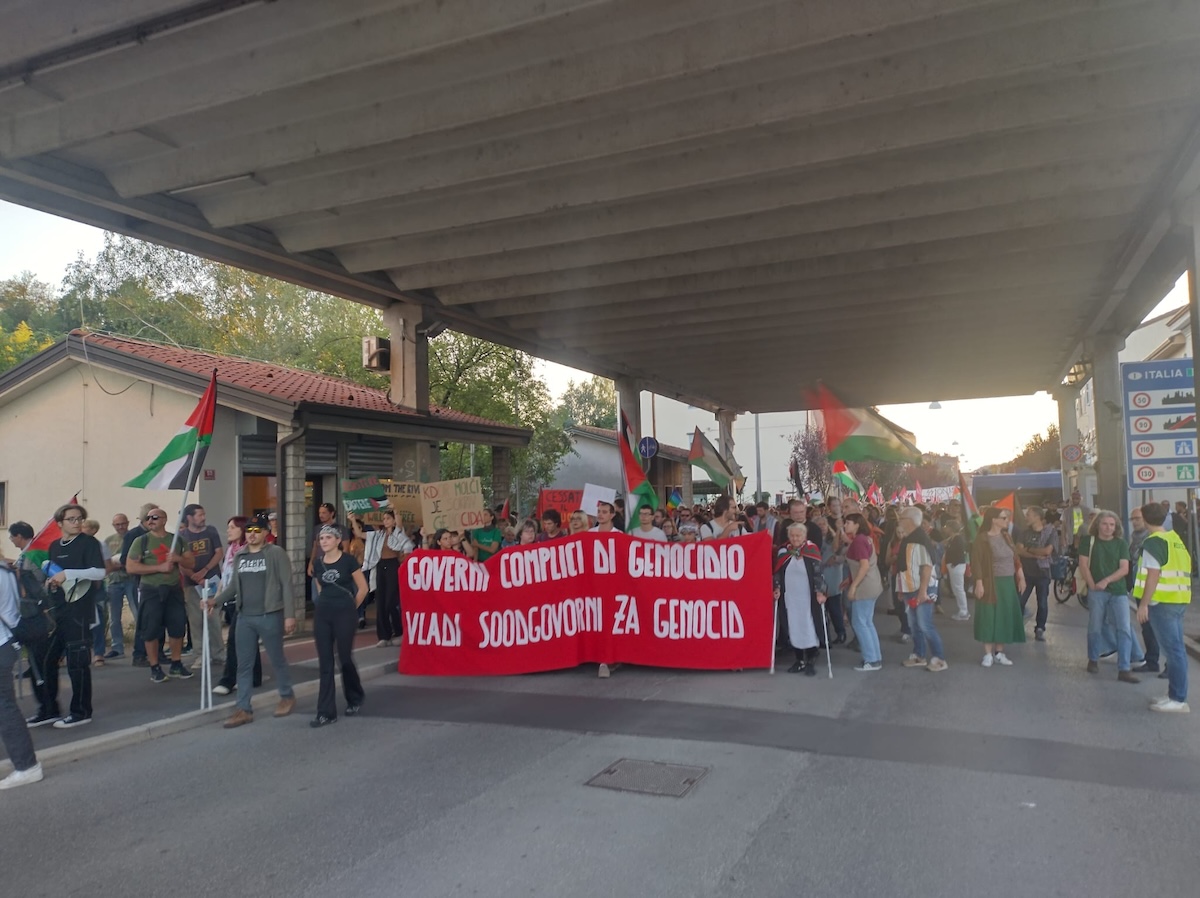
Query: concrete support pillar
x=415, y=461
x=291, y=502
x=408, y=328
x=1068, y=430
x=501, y=474
x=725, y=419
x=629, y=401
x=1194, y=291
x=1110, y=437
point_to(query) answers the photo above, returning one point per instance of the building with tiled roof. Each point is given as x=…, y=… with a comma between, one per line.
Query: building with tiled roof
x=596, y=459
x=90, y=412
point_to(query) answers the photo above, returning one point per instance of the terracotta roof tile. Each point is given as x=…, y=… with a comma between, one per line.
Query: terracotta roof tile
x=278, y=381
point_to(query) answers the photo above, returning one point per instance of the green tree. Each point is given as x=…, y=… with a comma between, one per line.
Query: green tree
x=19, y=344
x=590, y=402
x=1041, y=453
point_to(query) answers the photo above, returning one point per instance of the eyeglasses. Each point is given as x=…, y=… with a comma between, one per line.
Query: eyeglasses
x=72, y=520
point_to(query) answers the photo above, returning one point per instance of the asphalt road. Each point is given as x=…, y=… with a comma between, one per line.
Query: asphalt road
x=1034, y=780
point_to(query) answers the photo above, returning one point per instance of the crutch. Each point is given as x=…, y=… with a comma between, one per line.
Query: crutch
x=828, y=652
x=206, y=699
x=774, y=630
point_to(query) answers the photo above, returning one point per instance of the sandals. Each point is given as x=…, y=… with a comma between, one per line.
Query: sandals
x=99, y=662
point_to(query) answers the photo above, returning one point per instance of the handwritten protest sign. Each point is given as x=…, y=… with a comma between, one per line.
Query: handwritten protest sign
x=405, y=499
x=453, y=504
x=593, y=494
x=562, y=501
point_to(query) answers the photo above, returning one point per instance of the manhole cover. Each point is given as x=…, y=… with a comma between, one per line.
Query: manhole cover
x=648, y=777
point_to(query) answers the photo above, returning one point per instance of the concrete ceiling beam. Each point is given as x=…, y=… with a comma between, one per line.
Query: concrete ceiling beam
x=904, y=217
x=347, y=45
x=559, y=209
x=741, y=259
x=41, y=26
x=1074, y=99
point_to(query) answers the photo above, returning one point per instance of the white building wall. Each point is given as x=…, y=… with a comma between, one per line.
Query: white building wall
x=596, y=462
x=76, y=433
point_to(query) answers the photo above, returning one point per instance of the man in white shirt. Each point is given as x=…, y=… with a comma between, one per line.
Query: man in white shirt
x=645, y=528
x=605, y=515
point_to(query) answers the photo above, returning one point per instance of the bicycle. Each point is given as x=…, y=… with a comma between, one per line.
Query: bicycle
x=1062, y=571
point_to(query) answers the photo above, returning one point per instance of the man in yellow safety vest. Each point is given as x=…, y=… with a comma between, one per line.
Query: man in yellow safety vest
x=1163, y=590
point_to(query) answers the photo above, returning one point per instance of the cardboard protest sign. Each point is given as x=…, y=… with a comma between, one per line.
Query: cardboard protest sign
x=562, y=501
x=405, y=499
x=453, y=504
x=364, y=496
x=599, y=597
x=593, y=494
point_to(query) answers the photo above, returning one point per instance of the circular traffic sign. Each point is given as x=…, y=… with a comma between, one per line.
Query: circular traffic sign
x=1144, y=450
x=1142, y=425
x=1141, y=400
x=1072, y=452
x=1145, y=473
x=648, y=446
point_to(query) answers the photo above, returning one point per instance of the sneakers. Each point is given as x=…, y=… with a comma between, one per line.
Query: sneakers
x=936, y=665
x=239, y=718
x=382, y=643
x=1110, y=656
x=221, y=690
x=179, y=672
x=71, y=721
x=353, y=710
x=114, y=654
x=1039, y=634
x=22, y=777
x=1127, y=676
x=1170, y=706
x=286, y=706
x=40, y=720
x=1002, y=659
x=987, y=661
x=961, y=617
x=869, y=666
x=157, y=675
x=913, y=661
x=321, y=720
x=1093, y=667
x=1159, y=700
x=1137, y=665
x=140, y=661
x=904, y=637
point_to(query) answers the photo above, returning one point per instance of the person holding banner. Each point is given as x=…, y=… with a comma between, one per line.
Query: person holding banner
x=579, y=522
x=341, y=588
x=796, y=576
x=551, y=525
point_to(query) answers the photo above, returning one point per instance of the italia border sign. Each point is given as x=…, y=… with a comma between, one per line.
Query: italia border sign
x=1159, y=411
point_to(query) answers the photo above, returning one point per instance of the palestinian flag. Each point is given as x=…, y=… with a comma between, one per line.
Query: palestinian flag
x=874, y=494
x=704, y=455
x=185, y=453
x=843, y=475
x=860, y=434
x=918, y=492
x=1008, y=503
x=638, y=488
x=39, y=549
x=971, y=516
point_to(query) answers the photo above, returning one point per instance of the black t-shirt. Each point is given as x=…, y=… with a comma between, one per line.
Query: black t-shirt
x=81, y=552
x=336, y=580
x=203, y=545
x=130, y=535
x=956, y=550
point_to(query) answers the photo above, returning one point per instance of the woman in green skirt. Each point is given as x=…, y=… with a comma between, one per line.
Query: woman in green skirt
x=999, y=581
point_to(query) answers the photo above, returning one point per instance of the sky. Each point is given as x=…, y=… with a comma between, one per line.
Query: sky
x=979, y=431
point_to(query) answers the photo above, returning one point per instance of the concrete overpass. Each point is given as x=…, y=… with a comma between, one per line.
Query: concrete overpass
x=715, y=201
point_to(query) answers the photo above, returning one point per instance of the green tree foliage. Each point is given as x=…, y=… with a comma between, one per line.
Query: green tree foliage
x=155, y=293
x=590, y=402
x=1041, y=453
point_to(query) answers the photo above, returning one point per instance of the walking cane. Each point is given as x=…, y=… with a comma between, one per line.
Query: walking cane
x=828, y=653
x=206, y=700
x=774, y=630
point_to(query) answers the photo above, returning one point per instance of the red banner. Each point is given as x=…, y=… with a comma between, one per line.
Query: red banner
x=562, y=501
x=598, y=597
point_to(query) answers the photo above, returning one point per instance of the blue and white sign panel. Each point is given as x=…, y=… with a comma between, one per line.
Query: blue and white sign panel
x=1160, y=424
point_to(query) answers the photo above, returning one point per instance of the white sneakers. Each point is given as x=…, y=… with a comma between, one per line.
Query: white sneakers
x=1165, y=704
x=221, y=690
x=987, y=660
x=867, y=667
x=913, y=661
x=22, y=777
x=961, y=617
x=1002, y=658
x=936, y=665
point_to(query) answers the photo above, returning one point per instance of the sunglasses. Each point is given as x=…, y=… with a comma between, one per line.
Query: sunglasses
x=154, y=517
x=254, y=530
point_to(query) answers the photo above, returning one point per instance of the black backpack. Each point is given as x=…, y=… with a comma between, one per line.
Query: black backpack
x=35, y=622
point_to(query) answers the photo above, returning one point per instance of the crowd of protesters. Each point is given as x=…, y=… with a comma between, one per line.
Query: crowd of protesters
x=835, y=561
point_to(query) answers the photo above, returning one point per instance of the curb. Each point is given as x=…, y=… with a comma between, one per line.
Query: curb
x=169, y=726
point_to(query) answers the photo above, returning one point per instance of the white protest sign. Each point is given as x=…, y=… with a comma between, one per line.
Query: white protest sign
x=593, y=494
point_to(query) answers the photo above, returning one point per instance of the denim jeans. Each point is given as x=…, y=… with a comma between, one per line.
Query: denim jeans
x=927, y=643
x=268, y=628
x=99, y=627
x=118, y=594
x=862, y=618
x=1042, y=586
x=1109, y=642
x=1167, y=621
x=1100, y=604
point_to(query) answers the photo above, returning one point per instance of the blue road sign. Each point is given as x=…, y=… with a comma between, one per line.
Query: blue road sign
x=648, y=446
x=1160, y=423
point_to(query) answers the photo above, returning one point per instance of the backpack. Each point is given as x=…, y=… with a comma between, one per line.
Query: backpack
x=35, y=622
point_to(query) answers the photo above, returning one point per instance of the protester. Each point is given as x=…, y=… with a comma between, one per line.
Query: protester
x=646, y=528
x=202, y=542
x=14, y=733
x=120, y=588
x=140, y=658
x=261, y=588
x=487, y=539
x=914, y=571
x=551, y=526
x=341, y=588
x=1037, y=545
x=606, y=514
x=833, y=573
x=528, y=533
x=998, y=583
x=863, y=591
x=689, y=532
x=797, y=580
x=955, y=558
x=1137, y=538
x=235, y=538
x=100, y=625
x=670, y=531
x=384, y=551
x=1104, y=562
x=155, y=558
x=1164, y=590
x=579, y=522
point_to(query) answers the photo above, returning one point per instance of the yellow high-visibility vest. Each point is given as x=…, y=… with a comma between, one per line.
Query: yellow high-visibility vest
x=1175, y=578
x=1076, y=520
